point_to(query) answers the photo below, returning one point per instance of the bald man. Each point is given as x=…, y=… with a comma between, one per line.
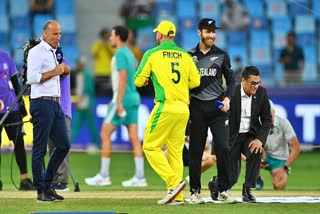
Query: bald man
x=44, y=70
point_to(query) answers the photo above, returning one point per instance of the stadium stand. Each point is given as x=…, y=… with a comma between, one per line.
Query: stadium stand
x=270, y=21
x=18, y=25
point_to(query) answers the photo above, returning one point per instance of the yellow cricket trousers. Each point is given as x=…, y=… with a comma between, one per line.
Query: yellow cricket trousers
x=166, y=125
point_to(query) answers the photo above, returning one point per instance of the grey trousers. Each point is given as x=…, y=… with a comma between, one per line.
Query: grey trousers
x=62, y=175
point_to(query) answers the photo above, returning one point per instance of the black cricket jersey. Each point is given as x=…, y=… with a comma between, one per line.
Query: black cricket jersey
x=212, y=66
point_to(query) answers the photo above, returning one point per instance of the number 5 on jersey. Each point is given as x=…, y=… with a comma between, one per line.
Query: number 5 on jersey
x=176, y=72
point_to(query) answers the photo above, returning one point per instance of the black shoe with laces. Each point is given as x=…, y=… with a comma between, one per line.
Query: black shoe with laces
x=45, y=197
x=213, y=187
x=247, y=194
x=26, y=185
x=51, y=191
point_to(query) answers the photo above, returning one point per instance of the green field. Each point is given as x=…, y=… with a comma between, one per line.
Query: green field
x=304, y=181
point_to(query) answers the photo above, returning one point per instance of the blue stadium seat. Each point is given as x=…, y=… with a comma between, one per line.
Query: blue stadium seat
x=260, y=38
x=260, y=55
x=266, y=73
x=18, y=58
x=38, y=22
x=254, y=8
x=316, y=7
x=306, y=39
x=145, y=38
x=209, y=9
x=221, y=39
x=21, y=22
x=164, y=16
x=281, y=24
x=63, y=7
x=67, y=23
x=310, y=55
x=71, y=53
x=298, y=7
x=259, y=22
x=163, y=7
x=189, y=39
x=279, y=40
x=237, y=37
x=4, y=26
x=276, y=8
x=4, y=41
x=310, y=73
x=304, y=24
x=19, y=7
x=3, y=7
x=186, y=8
x=68, y=39
x=238, y=51
x=188, y=23
x=277, y=74
x=19, y=37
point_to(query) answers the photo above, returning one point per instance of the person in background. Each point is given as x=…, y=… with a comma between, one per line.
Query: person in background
x=85, y=104
x=237, y=69
x=9, y=89
x=292, y=59
x=173, y=74
x=207, y=158
x=277, y=157
x=48, y=118
x=102, y=53
x=123, y=109
x=137, y=13
x=234, y=17
x=136, y=50
x=213, y=64
x=61, y=178
x=41, y=6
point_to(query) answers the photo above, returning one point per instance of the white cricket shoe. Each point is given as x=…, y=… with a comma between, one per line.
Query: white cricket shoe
x=173, y=193
x=196, y=199
x=98, y=180
x=135, y=182
x=226, y=197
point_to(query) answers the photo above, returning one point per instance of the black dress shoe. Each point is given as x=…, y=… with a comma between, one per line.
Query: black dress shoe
x=247, y=194
x=45, y=197
x=51, y=191
x=213, y=187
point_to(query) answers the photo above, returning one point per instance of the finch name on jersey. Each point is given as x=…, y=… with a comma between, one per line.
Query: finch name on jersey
x=171, y=54
x=208, y=72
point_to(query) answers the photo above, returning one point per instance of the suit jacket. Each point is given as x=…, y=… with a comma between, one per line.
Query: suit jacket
x=261, y=119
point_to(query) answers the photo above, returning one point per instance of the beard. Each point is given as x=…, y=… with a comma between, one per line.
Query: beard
x=207, y=42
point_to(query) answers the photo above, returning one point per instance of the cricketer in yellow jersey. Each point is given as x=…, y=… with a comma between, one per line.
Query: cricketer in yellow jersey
x=173, y=73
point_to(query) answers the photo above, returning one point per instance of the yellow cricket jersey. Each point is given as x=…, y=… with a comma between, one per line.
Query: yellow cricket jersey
x=172, y=70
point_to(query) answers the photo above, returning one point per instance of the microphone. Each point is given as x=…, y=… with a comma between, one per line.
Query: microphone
x=59, y=54
x=218, y=104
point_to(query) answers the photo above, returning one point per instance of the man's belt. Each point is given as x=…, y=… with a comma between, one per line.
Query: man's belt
x=55, y=99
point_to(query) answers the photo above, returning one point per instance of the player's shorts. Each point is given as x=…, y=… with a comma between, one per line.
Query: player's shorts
x=274, y=163
x=113, y=118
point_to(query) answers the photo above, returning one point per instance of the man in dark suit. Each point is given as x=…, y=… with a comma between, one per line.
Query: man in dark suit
x=249, y=124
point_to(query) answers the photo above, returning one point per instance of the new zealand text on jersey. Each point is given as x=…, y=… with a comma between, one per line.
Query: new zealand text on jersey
x=171, y=55
x=208, y=71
